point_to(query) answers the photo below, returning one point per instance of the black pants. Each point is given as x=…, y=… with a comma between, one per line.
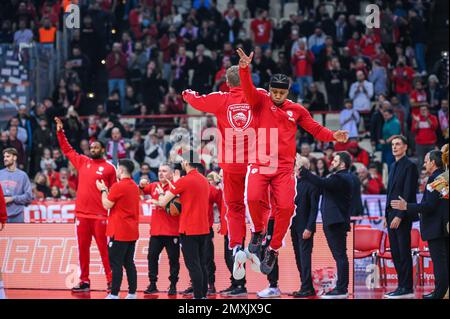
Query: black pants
x=121, y=255
x=439, y=255
x=155, y=247
x=193, y=248
x=210, y=264
x=229, y=261
x=336, y=235
x=400, y=240
x=303, y=251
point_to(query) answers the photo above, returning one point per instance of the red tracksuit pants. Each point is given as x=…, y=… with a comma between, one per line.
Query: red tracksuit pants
x=234, y=191
x=282, y=191
x=86, y=229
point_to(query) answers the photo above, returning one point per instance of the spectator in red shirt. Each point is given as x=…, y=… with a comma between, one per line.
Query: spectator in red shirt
x=402, y=77
x=122, y=201
x=424, y=126
x=359, y=154
x=220, y=81
x=418, y=97
x=261, y=30
x=368, y=43
x=303, y=60
x=370, y=184
x=354, y=44
x=116, y=64
x=174, y=102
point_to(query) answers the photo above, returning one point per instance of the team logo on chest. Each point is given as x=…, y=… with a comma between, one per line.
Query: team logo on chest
x=239, y=116
x=100, y=170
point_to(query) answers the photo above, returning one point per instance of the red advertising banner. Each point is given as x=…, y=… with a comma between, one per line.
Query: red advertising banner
x=45, y=256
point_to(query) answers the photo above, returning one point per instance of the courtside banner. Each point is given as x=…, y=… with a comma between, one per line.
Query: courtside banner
x=45, y=256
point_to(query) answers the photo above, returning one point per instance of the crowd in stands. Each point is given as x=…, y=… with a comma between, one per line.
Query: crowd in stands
x=151, y=50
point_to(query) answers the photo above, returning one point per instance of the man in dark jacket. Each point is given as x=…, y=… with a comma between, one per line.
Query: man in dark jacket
x=432, y=212
x=336, y=209
x=303, y=229
x=403, y=179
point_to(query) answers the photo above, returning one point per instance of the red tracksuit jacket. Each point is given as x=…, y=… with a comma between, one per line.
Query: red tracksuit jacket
x=285, y=118
x=233, y=113
x=88, y=203
x=3, y=215
x=162, y=224
x=215, y=197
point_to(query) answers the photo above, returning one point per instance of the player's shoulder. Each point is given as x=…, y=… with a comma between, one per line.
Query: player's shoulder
x=110, y=165
x=263, y=91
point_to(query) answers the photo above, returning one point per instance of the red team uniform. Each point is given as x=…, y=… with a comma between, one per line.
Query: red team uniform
x=282, y=181
x=233, y=113
x=3, y=215
x=90, y=214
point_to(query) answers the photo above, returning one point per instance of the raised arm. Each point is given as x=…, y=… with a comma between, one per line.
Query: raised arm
x=210, y=103
x=76, y=159
x=251, y=93
x=331, y=183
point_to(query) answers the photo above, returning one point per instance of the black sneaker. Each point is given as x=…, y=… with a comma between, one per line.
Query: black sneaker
x=82, y=287
x=151, y=289
x=172, y=290
x=390, y=293
x=335, y=294
x=239, y=291
x=401, y=293
x=269, y=261
x=188, y=291
x=211, y=290
x=226, y=292
x=303, y=294
x=254, y=246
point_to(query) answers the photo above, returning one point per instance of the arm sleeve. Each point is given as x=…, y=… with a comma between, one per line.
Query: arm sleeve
x=352, y=91
x=330, y=183
x=76, y=159
x=206, y=103
x=430, y=206
x=26, y=197
x=114, y=193
x=409, y=188
x=3, y=215
x=251, y=93
x=180, y=186
x=315, y=129
x=370, y=90
x=314, y=197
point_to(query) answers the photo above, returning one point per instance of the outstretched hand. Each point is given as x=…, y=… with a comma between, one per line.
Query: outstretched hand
x=245, y=60
x=59, y=124
x=341, y=136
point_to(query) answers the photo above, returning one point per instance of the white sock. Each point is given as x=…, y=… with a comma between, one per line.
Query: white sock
x=236, y=249
x=2, y=291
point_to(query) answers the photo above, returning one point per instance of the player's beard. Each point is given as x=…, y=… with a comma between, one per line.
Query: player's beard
x=96, y=156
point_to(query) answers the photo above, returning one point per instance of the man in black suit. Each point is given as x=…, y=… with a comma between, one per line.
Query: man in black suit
x=337, y=192
x=303, y=229
x=403, y=179
x=432, y=212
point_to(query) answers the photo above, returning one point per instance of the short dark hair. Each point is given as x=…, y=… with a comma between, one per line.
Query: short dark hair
x=99, y=142
x=436, y=157
x=11, y=151
x=128, y=164
x=145, y=164
x=401, y=138
x=345, y=158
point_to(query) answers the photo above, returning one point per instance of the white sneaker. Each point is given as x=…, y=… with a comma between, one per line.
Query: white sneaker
x=112, y=297
x=238, y=267
x=131, y=296
x=254, y=261
x=269, y=293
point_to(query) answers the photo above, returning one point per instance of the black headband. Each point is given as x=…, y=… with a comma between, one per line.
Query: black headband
x=279, y=85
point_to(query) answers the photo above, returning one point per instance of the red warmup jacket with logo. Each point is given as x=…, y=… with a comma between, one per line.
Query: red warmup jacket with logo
x=283, y=119
x=88, y=203
x=215, y=197
x=3, y=215
x=233, y=114
x=162, y=224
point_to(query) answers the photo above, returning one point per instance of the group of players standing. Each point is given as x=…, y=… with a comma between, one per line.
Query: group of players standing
x=262, y=188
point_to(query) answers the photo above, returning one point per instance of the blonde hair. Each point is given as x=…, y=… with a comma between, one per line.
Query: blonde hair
x=445, y=154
